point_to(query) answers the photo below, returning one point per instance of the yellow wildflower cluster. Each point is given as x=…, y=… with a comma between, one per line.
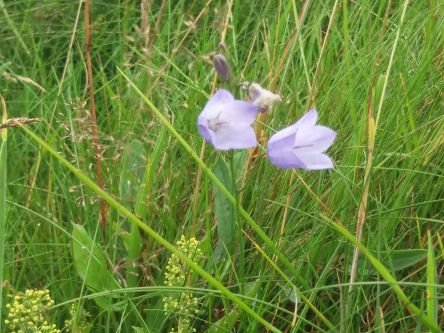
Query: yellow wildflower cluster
x=79, y=321
x=28, y=312
x=175, y=274
x=184, y=305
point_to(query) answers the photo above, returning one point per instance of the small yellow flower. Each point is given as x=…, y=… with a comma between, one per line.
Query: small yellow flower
x=28, y=311
x=183, y=305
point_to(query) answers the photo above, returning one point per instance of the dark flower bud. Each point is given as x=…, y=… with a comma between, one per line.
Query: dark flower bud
x=222, y=67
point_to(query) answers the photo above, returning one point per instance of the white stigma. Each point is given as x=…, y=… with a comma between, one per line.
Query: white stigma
x=215, y=124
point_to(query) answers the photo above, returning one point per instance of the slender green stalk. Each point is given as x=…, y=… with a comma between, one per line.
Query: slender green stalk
x=150, y=232
x=13, y=28
x=385, y=273
x=240, y=243
x=431, y=292
x=392, y=55
x=2, y=204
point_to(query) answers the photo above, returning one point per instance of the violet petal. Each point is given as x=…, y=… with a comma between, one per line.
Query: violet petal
x=302, y=144
x=234, y=137
x=226, y=123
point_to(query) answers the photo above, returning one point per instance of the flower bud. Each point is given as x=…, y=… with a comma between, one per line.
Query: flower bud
x=222, y=67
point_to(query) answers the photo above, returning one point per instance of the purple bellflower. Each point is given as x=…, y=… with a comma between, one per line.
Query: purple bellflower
x=302, y=145
x=226, y=123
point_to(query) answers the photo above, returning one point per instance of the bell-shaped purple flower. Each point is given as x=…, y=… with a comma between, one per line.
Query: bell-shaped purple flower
x=226, y=123
x=302, y=145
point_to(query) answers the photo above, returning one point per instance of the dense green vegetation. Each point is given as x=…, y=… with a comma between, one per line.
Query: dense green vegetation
x=284, y=253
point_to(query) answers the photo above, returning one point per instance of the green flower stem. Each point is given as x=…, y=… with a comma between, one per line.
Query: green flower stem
x=134, y=219
x=2, y=204
x=240, y=242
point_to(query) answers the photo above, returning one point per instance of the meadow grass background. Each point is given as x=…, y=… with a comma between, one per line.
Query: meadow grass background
x=376, y=76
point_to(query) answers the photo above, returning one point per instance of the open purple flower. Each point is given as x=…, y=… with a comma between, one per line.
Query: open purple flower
x=302, y=145
x=226, y=123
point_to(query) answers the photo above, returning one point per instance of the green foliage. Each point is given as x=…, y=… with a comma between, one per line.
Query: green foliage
x=3, y=185
x=224, y=211
x=92, y=267
x=132, y=182
x=79, y=321
x=432, y=280
x=336, y=55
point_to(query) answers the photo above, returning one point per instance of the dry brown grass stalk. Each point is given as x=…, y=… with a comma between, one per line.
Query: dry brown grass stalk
x=95, y=136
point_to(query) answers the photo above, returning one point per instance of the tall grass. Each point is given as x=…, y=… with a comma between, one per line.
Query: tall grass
x=374, y=72
x=3, y=162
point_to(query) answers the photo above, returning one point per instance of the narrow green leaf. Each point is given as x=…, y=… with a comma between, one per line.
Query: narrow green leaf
x=3, y=162
x=432, y=279
x=131, y=176
x=130, y=185
x=402, y=259
x=2, y=219
x=224, y=210
x=397, y=260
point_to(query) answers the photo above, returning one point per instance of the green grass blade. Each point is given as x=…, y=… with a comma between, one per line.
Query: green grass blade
x=2, y=204
x=13, y=28
x=130, y=185
x=2, y=219
x=431, y=292
x=150, y=232
x=386, y=275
